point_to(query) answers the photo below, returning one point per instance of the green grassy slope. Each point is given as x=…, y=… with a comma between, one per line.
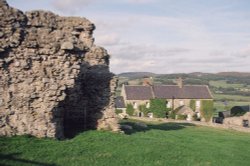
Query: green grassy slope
x=161, y=144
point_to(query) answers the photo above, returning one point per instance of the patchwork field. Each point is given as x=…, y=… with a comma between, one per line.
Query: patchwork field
x=160, y=144
x=224, y=84
x=220, y=105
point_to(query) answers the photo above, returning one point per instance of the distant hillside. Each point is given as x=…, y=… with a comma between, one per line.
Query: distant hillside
x=134, y=75
x=220, y=75
x=199, y=74
x=230, y=83
x=234, y=74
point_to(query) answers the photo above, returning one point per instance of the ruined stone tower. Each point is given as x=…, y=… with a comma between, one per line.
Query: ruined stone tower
x=54, y=81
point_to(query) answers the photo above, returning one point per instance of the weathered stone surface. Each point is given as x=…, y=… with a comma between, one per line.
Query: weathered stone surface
x=54, y=81
x=67, y=46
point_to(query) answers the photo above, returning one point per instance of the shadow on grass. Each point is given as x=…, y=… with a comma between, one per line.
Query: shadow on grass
x=12, y=159
x=143, y=127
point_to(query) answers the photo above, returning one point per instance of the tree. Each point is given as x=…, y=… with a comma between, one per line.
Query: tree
x=192, y=104
x=207, y=109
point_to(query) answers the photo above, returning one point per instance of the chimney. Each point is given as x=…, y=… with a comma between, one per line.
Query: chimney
x=147, y=81
x=179, y=82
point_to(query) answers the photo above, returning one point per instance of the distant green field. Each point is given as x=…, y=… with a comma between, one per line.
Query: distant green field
x=224, y=84
x=231, y=97
x=231, y=100
x=221, y=107
x=160, y=144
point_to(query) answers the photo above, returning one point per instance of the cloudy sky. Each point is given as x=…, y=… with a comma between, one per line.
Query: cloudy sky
x=164, y=36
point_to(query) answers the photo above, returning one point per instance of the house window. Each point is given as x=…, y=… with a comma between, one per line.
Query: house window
x=147, y=104
x=169, y=103
x=134, y=105
x=181, y=102
x=198, y=104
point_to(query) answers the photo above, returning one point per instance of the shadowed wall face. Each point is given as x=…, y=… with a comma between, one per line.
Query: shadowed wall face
x=54, y=81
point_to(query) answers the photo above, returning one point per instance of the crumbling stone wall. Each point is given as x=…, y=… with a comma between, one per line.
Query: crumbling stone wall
x=237, y=120
x=54, y=81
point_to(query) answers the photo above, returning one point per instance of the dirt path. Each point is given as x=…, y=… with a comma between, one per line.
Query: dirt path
x=208, y=124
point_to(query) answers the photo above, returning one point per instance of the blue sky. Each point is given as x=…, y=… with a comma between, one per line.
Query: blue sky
x=164, y=36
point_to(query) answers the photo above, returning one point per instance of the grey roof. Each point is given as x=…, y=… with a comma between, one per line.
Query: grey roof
x=167, y=92
x=138, y=92
x=119, y=102
x=186, y=92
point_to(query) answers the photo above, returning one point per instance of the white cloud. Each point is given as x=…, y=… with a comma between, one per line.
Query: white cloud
x=165, y=44
x=140, y=1
x=242, y=53
x=70, y=6
x=213, y=41
x=108, y=39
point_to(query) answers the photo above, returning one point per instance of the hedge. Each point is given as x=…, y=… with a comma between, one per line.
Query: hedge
x=144, y=109
x=181, y=117
x=130, y=110
x=158, y=108
x=118, y=111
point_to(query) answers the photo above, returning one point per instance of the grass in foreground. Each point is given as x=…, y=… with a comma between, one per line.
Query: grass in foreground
x=160, y=144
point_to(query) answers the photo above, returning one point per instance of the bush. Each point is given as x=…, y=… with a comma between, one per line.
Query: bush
x=158, y=107
x=172, y=115
x=130, y=109
x=118, y=111
x=238, y=112
x=181, y=117
x=143, y=109
x=207, y=109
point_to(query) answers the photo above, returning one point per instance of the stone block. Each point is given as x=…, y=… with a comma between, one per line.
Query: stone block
x=45, y=80
x=67, y=46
